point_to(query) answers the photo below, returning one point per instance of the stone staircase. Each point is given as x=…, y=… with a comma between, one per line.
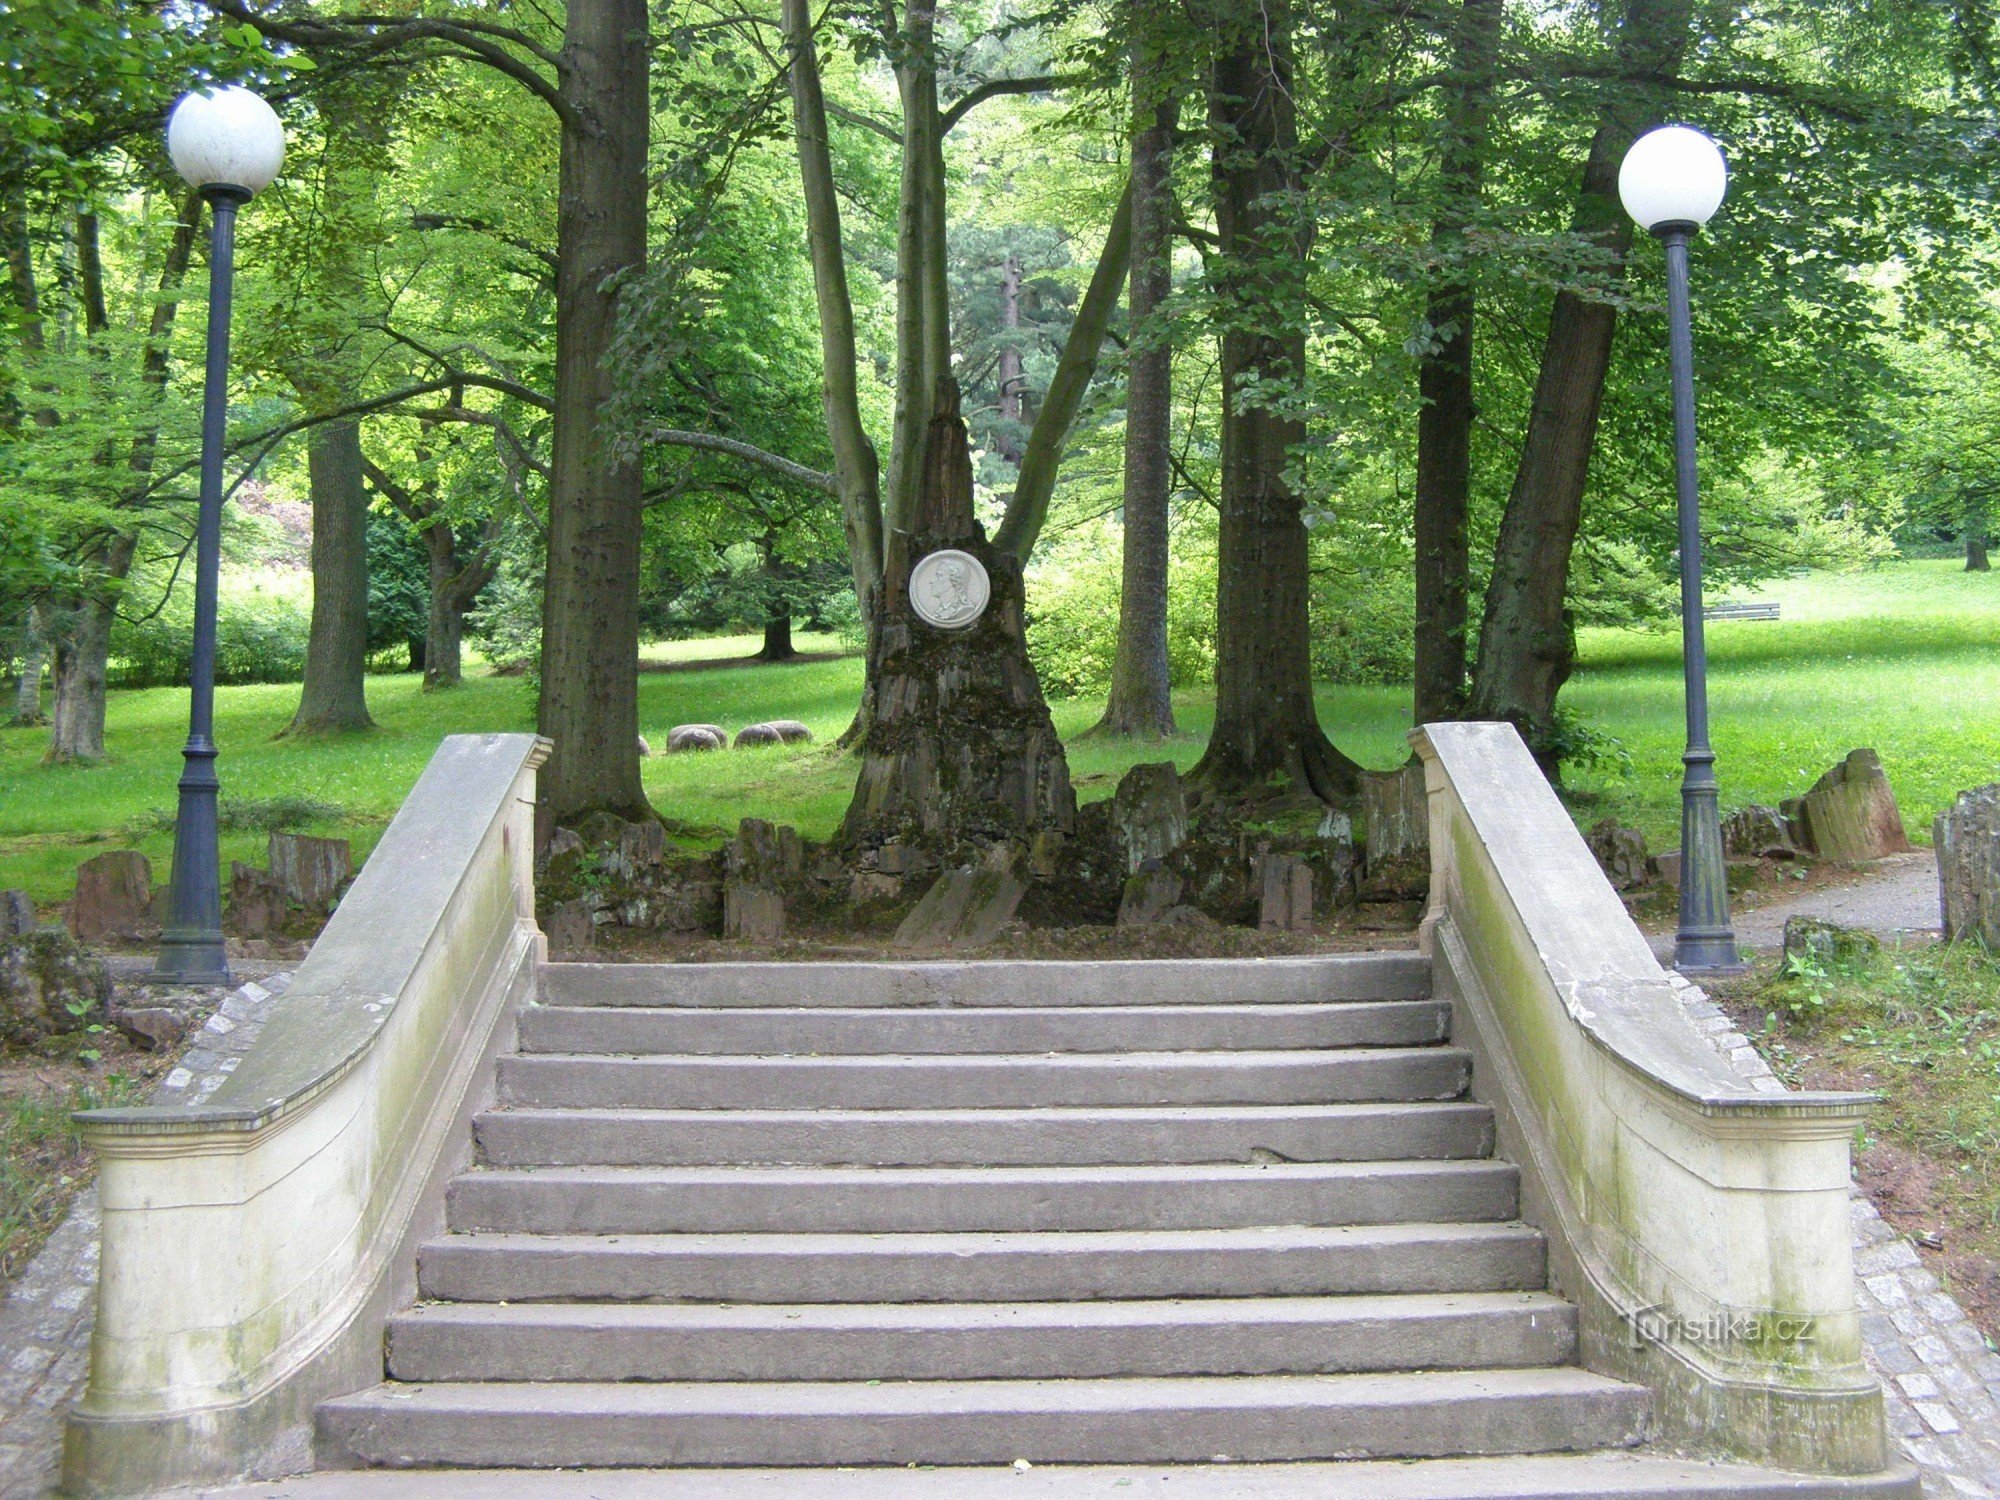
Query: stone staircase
x=828, y=1215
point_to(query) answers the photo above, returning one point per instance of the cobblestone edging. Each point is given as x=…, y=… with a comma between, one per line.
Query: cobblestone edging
x=1940, y=1383
x=46, y=1319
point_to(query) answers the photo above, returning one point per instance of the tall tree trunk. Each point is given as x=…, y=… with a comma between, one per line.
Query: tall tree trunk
x=1526, y=644
x=444, y=623
x=1010, y=371
x=1444, y=379
x=1976, y=560
x=82, y=657
x=855, y=465
x=778, y=610
x=590, y=617
x=34, y=653
x=1267, y=736
x=1141, y=697
x=333, y=699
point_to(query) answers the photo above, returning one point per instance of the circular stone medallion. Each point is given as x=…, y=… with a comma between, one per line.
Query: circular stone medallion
x=949, y=589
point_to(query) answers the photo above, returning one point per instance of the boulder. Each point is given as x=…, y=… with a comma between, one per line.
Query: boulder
x=1149, y=813
x=1149, y=896
x=964, y=908
x=1621, y=851
x=1850, y=813
x=686, y=737
x=17, y=914
x=1812, y=941
x=151, y=1028
x=791, y=731
x=645, y=749
x=1395, y=817
x=50, y=986
x=114, y=897
x=571, y=929
x=257, y=904
x=1967, y=836
x=1758, y=832
x=1285, y=903
x=310, y=871
x=758, y=734
x=760, y=865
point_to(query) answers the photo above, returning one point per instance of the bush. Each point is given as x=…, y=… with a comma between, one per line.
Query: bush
x=1364, y=625
x=260, y=636
x=1073, y=595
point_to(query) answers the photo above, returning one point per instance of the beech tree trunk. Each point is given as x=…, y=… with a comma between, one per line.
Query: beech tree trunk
x=1140, y=702
x=1976, y=560
x=1526, y=642
x=82, y=658
x=1444, y=380
x=82, y=639
x=589, y=703
x=333, y=699
x=1010, y=368
x=1267, y=738
x=778, y=612
x=34, y=653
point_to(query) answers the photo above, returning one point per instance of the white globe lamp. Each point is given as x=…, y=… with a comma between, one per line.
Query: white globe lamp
x=226, y=138
x=1673, y=176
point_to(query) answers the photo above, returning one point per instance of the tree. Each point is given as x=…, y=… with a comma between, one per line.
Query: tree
x=1141, y=697
x=1444, y=382
x=1267, y=734
x=928, y=763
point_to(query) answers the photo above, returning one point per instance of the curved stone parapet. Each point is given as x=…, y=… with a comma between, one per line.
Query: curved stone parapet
x=253, y=1245
x=1700, y=1223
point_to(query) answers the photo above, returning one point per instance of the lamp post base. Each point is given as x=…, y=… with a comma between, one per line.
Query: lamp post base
x=1705, y=942
x=192, y=958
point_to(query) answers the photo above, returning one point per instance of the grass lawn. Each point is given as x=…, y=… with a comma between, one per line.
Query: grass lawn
x=1906, y=659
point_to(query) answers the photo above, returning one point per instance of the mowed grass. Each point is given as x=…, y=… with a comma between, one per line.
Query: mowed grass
x=1906, y=659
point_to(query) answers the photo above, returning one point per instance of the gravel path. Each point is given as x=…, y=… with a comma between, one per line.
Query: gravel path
x=1898, y=899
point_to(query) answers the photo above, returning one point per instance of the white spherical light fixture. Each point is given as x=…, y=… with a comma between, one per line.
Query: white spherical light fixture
x=1673, y=175
x=226, y=138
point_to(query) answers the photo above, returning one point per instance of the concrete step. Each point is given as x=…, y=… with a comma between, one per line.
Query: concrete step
x=981, y=1340
x=866, y=1200
x=988, y=1137
x=996, y=1081
x=1618, y=1475
x=799, y=1030
x=1083, y=1267
x=1195, y=981
x=1256, y=1418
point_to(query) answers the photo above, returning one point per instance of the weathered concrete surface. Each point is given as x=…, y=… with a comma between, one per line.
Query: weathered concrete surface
x=1588, y=1477
x=1967, y=839
x=254, y=1244
x=1629, y=1129
x=1850, y=813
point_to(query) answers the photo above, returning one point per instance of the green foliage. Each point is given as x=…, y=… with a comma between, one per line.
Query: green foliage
x=260, y=636
x=399, y=590
x=1073, y=611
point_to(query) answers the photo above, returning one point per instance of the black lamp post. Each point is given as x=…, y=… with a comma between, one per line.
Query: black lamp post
x=229, y=145
x=1672, y=181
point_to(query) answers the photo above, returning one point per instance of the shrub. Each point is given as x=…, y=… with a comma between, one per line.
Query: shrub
x=260, y=636
x=1073, y=594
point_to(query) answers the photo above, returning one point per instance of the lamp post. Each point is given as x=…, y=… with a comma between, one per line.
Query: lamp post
x=228, y=144
x=1672, y=181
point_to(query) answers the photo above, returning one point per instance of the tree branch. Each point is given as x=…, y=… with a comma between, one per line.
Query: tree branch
x=677, y=437
x=993, y=88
